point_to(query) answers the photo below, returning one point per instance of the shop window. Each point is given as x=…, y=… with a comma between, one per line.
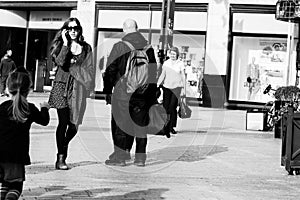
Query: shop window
x=248, y=23
x=256, y=63
x=192, y=45
x=182, y=20
x=259, y=55
x=190, y=40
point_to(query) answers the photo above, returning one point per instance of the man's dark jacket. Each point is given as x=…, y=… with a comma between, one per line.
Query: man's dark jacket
x=117, y=61
x=6, y=66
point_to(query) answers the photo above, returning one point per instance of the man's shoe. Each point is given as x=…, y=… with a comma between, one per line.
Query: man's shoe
x=114, y=162
x=112, y=156
x=139, y=163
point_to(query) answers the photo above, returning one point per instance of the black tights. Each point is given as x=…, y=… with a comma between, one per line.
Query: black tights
x=65, y=130
x=10, y=191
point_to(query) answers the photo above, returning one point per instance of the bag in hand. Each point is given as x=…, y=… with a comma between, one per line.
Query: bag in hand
x=158, y=120
x=184, y=111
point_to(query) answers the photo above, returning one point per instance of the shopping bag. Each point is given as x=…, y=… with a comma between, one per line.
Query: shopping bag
x=184, y=111
x=160, y=96
x=158, y=119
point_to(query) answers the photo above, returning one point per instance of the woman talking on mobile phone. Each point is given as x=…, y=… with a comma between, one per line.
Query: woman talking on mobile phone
x=74, y=80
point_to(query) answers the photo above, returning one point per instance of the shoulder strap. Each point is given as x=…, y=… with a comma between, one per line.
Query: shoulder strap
x=132, y=47
x=129, y=45
x=148, y=46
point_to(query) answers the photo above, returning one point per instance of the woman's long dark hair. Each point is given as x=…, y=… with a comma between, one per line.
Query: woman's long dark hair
x=58, y=41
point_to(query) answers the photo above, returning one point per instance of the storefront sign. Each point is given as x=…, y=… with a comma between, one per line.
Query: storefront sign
x=48, y=19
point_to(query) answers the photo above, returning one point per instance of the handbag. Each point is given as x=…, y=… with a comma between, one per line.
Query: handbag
x=184, y=111
x=158, y=119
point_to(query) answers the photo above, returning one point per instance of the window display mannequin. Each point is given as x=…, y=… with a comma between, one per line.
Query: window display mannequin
x=253, y=79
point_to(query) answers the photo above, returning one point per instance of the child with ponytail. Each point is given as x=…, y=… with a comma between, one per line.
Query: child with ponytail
x=16, y=117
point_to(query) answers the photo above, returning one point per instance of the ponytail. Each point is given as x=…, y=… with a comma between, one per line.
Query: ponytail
x=20, y=108
x=18, y=84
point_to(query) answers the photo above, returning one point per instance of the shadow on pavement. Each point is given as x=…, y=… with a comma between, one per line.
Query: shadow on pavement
x=190, y=131
x=60, y=192
x=191, y=153
x=153, y=194
x=51, y=129
x=38, y=169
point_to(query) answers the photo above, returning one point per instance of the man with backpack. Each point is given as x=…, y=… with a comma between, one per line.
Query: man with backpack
x=131, y=74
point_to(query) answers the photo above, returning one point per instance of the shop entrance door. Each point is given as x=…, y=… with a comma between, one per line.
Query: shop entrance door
x=39, y=42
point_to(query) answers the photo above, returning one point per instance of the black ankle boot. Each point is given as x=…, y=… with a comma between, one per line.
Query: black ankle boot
x=61, y=162
x=65, y=151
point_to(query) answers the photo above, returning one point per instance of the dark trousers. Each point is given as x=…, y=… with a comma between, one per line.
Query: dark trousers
x=139, y=114
x=3, y=84
x=170, y=103
x=128, y=122
x=65, y=131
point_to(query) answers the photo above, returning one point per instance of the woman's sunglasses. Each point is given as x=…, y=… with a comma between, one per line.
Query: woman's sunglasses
x=75, y=28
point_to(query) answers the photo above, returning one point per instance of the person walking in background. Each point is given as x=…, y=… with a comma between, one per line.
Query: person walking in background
x=172, y=81
x=16, y=117
x=126, y=127
x=7, y=65
x=74, y=80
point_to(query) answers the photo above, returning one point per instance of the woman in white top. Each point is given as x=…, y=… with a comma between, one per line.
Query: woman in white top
x=172, y=80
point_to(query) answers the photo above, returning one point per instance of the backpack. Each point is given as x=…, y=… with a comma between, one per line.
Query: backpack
x=136, y=73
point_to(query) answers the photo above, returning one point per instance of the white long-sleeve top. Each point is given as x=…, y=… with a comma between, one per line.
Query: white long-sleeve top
x=172, y=75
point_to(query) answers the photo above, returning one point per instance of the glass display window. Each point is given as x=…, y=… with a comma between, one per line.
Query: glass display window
x=192, y=49
x=192, y=45
x=191, y=22
x=260, y=55
x=256, y=63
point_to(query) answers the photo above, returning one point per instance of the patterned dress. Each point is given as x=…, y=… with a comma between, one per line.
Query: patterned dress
x=57, y=98
x=60, y=91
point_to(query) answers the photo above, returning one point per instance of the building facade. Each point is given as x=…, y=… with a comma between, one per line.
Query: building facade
x=232, y=49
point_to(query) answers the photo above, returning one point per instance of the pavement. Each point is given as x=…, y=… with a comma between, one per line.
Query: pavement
x=212, y=157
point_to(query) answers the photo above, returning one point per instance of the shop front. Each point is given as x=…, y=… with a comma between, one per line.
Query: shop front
x=189, y=35
x=232, y=50
x=259, y=55
x=28, y=29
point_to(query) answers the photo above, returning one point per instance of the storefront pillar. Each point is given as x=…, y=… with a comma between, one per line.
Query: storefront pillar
x=216, y=54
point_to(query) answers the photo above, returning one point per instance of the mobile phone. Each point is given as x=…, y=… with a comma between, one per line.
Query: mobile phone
x=68, y=36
